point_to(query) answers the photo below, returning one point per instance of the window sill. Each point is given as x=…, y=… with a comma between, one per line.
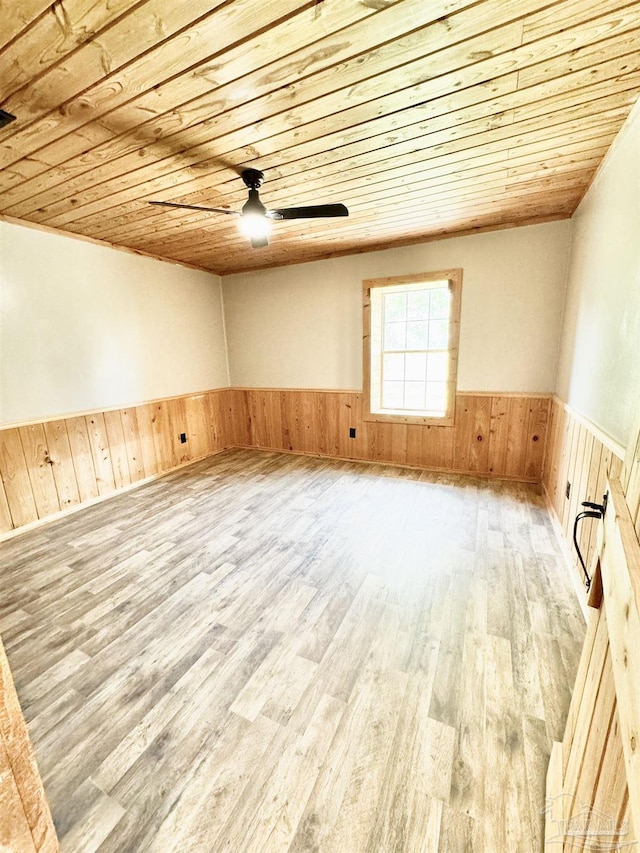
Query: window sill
x=397, y=418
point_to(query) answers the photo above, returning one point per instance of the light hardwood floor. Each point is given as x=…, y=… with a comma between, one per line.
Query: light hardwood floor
x=263, y=652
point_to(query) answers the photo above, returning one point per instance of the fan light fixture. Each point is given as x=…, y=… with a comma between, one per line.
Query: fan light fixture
x=255, y=219
x=255, y=226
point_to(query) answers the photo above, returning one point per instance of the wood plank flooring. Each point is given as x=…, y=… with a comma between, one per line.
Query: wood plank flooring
x=263, y=652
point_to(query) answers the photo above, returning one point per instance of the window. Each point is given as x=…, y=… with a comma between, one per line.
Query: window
x=411, y=347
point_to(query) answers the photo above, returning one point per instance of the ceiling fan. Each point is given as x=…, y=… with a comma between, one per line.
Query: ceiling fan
x=255, y=222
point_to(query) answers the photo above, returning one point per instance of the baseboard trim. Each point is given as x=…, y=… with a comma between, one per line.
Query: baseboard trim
x=479, y=474
x=40, y=522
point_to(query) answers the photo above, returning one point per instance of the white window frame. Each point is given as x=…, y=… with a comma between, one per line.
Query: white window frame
x=454, y=279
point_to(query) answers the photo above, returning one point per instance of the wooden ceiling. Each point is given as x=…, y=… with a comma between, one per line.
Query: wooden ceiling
x=424, y=117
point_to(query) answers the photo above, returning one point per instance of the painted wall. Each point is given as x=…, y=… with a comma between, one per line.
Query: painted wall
x=599, y=368
x=301, y=326
x=87, y=327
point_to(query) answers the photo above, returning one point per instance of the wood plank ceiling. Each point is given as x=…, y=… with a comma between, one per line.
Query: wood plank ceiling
x=425, y=117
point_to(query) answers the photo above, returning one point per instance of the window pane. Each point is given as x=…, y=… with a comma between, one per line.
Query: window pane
x=393, y=366
x=392, y=395
x=440, y=299
x=418, y=305
x=438, y=334
x=436, y=397
x=414, y=394
x=395, y=307
x=409, y=343
x=437, y=366
x=436, y=391
x=416, y=366
x=395, y=336
x=418, y=334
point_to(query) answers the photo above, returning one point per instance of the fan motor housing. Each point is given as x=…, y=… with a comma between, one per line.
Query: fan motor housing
x=254, y=205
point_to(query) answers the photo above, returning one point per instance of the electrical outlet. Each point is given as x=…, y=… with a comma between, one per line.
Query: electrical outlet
x=183, y=438
x=567, y=491
x=352, y=432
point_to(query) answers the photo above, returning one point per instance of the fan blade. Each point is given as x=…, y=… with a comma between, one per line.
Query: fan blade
x=259, y=242
x=196, y=207
x=315, y=211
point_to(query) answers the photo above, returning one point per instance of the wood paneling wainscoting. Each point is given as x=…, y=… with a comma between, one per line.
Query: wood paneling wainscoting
x=582, y=455
x=496, y=435
x=54, y=465
x=50, y=466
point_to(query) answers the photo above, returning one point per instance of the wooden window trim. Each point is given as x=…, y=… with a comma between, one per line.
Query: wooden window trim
x=454, y=277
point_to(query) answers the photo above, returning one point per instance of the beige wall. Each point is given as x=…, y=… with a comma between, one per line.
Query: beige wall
x=599, y=369
x=301, y=326
x=84, y=327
